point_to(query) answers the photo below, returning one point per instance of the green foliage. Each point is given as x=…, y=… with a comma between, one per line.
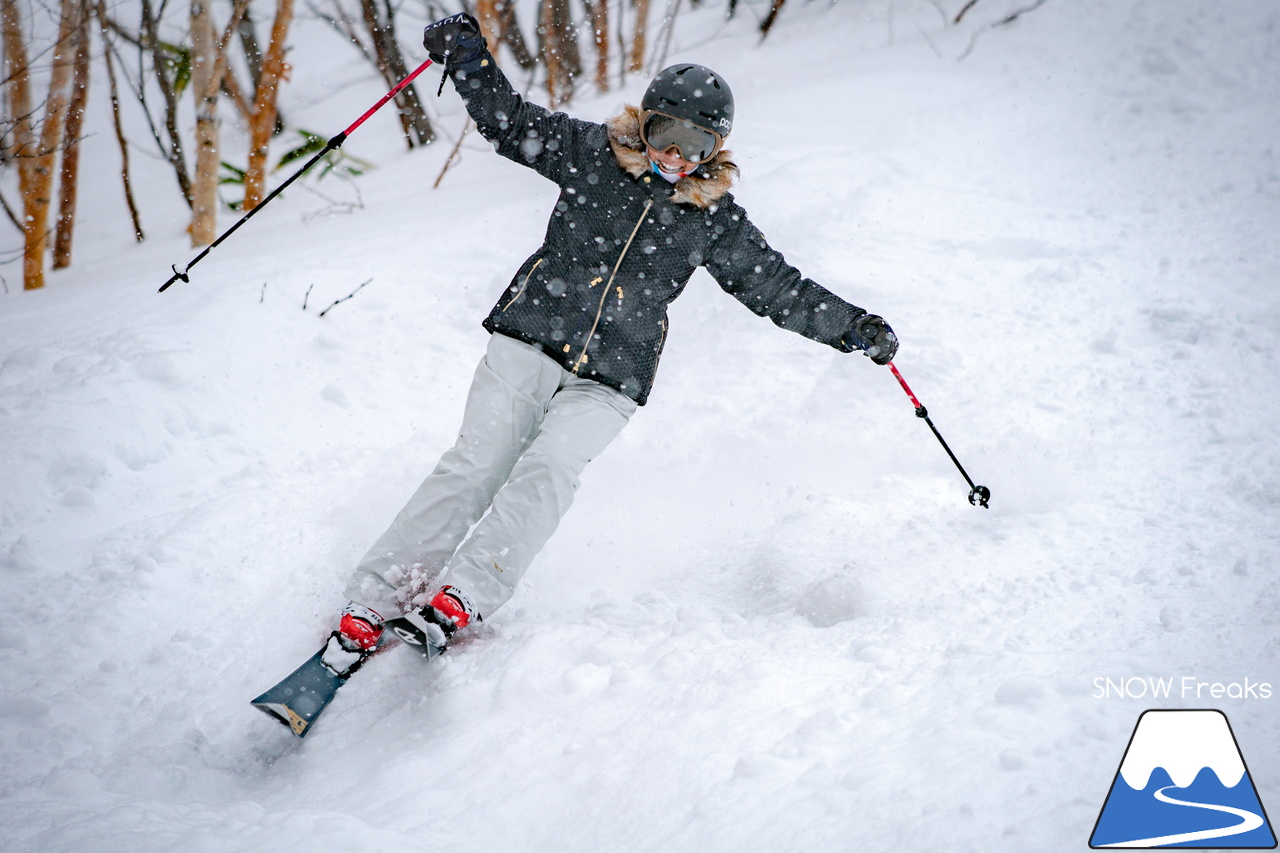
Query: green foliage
x=337, y=160
x=235, y=176
x=176, y=60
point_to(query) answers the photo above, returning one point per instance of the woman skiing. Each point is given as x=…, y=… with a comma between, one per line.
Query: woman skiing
x=576, y=337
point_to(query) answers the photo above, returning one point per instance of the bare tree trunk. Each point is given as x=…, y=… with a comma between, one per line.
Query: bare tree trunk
x=115, y=118
x=382, y=29
x=18, y=101
x=173, y=150
x=40, y=163
x=599, y=10
x=385, y=54
x=274, y=71
x=638, y=39
x=252, y=52
x=204, y=90
x=208, y=60
x=490, y=22
x=231, y=87
x=558, y=41
x=774, y=8
x=546, y=46
x=68, y=180
x=568, y=44
x=513, y=37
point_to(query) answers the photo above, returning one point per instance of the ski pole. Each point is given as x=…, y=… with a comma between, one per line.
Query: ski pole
x=978, y=495
x=335, y=142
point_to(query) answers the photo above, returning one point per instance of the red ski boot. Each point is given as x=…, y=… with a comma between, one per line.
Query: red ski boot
x=430, y=629
x=357, y=637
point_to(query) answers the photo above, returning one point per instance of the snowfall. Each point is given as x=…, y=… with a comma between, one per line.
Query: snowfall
x=772, y=620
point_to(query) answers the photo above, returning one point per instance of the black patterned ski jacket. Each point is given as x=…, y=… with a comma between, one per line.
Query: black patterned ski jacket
x=622, y=243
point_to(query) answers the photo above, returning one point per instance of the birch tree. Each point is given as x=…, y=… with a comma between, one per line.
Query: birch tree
x=35, y=145
x=208, y=59
x=69, y=175
x=262, y=117
x=378, y=17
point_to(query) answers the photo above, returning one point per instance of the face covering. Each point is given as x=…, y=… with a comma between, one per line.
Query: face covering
x=669, y=177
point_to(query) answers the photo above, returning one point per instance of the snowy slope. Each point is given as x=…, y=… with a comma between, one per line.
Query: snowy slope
x=771, y=622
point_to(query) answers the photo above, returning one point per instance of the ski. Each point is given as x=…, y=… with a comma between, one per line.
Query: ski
x=299, y=699
x=419, y=633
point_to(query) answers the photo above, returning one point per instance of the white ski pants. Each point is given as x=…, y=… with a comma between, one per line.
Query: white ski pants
x=494, y=499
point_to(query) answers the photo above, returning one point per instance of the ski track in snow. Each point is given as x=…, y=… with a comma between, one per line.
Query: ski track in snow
x=771, y=622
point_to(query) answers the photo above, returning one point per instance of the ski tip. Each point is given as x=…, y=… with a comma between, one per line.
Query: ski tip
x=284, y=715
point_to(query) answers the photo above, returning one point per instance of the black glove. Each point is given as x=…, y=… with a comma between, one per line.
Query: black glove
x=453, y=41
x=872, y=335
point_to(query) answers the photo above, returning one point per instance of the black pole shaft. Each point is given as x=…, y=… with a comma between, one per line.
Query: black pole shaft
x=336, y=142
x=331, y=145
x=921, y=413
x=978, y=495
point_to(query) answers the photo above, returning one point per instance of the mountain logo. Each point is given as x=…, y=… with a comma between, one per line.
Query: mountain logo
x=1182, y=783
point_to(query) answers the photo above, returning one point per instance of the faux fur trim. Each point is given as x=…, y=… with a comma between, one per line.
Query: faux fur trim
x=701, y=189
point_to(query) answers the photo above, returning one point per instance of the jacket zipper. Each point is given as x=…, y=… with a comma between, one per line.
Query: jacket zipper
x=604, y=294
x=523, y=285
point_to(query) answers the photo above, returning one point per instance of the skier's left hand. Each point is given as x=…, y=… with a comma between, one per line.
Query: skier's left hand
x=453, y=40
x=872, y=335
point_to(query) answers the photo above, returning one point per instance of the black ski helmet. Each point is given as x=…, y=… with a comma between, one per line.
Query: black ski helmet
x=694, y=93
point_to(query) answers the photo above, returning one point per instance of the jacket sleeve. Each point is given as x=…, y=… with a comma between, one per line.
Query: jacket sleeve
x=527, y=133
x=751, y=271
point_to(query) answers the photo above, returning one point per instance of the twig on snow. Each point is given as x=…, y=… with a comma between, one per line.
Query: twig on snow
x=345, y=298
x=457, y=146
x=1018, y=14
x=962, y=12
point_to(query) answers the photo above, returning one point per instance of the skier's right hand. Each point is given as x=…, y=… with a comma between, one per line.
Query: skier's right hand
x=872, y=335
x=453, y=40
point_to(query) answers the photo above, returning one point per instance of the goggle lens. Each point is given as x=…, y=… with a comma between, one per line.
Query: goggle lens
x=696, y=144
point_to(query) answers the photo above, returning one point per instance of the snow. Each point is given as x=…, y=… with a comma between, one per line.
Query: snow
x=772, y=621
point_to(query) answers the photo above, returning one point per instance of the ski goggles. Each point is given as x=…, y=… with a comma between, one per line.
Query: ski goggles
x=662, y=132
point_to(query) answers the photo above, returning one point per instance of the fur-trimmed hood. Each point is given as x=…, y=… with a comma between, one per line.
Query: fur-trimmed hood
x=702, y=189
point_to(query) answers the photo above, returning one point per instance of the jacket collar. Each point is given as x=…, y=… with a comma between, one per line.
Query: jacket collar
x=702, y=189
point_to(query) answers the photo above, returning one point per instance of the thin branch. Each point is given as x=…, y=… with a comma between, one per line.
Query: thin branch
x=967, y=6
x=119, y=128
x=9, y=212
x=452, y=154
x=345, y=298
x=1018, y=14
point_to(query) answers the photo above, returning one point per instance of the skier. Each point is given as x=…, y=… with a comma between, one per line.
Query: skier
x=575, y=340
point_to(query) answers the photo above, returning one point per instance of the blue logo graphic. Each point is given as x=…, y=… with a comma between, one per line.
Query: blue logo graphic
x=1183, y=783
